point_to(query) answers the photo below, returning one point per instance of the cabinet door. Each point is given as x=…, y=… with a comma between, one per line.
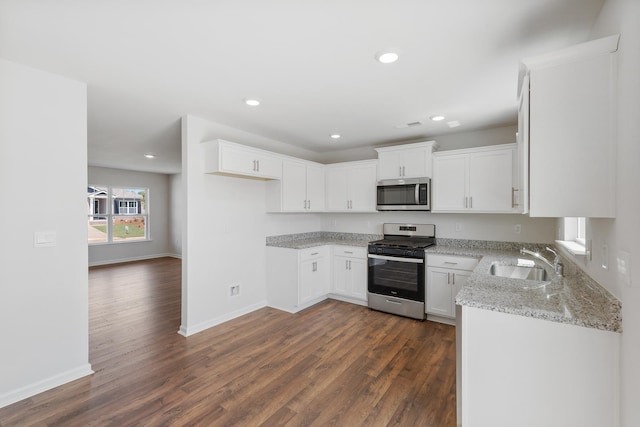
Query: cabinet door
x=362, y=188
x=389, y=166
x=439, y=292
x=414, y=163
x=522, y=173
x=491, y=181
x=315, y=188
x=236, y=160
x=337, y=189
x=268, y=166
x=313, y=279
x=358, y=268
x=449, y=183
x=294, y=186
x=572, y=139
x=341, y=276
x=459, y=279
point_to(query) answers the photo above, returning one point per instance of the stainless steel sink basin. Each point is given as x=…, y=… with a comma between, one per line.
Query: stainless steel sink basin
x=519, y=272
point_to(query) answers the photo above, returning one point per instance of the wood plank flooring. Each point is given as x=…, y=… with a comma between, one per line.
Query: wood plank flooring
x=334, y=364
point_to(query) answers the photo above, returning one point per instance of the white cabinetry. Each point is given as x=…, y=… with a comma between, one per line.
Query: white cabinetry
x=405, y=161
x=525, y=372
x=301, y=188
x=349, y=274
x=297, y=278
x=228, y=158
x=351, y=186
x=572, y=125
x=475, y=179
x=446, y=275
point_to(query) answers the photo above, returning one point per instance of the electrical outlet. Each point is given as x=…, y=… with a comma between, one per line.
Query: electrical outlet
x=458, y=227
x=234, y=290
x=517, y=228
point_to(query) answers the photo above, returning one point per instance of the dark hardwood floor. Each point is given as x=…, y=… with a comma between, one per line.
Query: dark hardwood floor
x=332, y=364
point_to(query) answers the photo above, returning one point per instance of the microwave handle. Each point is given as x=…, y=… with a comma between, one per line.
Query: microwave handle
x=417, y=194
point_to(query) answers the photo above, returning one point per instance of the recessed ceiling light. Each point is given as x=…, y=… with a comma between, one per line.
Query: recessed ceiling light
x=252, y=102
x=453, y=124
x=336, y=136
x=150, y=156
x=437, y=118
x=387, y=57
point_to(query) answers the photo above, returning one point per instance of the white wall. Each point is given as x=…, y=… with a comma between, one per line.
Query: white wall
x=495, y=227
x=622, y=234
x=224, y=229
x=43, y=178
x=159, y=216
x=176, y=212
x=450, y=141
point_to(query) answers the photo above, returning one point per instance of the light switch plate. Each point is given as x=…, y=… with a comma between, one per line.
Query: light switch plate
x=44, y=239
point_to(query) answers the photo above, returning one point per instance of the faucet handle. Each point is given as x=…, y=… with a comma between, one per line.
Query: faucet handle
x=553, y=252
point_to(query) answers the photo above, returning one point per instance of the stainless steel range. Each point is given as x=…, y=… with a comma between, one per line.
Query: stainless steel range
x=396, y=275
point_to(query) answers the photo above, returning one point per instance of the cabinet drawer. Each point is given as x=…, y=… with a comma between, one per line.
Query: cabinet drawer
x=350, y=251
x=449, y=261
x=311, y=253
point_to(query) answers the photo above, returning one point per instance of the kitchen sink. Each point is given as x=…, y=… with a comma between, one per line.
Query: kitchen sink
x=519, y=272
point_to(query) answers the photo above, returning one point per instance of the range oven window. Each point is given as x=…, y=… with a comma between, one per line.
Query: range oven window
x=395, y=276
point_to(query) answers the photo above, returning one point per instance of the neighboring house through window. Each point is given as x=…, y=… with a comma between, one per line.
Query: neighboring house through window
x=117, y=214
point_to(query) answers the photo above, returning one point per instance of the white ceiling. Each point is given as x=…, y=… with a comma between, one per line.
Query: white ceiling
x=311, y=63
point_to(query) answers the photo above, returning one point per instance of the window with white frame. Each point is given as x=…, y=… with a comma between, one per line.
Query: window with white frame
x=574, y=235
x=117, y=214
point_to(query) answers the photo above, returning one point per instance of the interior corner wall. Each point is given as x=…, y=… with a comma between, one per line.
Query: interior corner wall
x=621, y=235
x=43, y=178
x=224, y=228
x=159, y=216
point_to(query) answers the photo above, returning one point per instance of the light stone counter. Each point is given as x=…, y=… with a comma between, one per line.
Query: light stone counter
x=321, y=238
x=574, y=299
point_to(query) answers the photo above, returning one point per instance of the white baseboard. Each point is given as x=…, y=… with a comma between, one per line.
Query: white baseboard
x=187, y=331
x=349, y=299
x=130, y=259
x=44, y=385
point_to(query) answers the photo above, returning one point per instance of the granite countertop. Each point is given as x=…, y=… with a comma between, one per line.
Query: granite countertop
x=321, y=238
x=574, y=299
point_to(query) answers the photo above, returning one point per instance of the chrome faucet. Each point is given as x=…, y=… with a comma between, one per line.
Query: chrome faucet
x=557, y=265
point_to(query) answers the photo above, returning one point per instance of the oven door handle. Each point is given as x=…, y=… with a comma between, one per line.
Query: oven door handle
x=398, y=259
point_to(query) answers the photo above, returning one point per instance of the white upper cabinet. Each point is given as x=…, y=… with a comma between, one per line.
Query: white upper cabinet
x=572, y=130
x=228, y=158
x=405, y=161
x=301, y=188
x=351, y=186
x=475, y=180
x=521, y=193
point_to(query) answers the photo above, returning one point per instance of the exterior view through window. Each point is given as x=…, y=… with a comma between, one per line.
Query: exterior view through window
x=117, y=214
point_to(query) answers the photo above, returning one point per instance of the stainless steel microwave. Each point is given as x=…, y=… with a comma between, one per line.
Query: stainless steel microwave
x=411, y=194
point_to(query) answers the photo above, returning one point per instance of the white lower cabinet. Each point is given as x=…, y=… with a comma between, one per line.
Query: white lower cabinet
x=446, y=275
x=349, y=274
x=297, y=278
x=526, y=372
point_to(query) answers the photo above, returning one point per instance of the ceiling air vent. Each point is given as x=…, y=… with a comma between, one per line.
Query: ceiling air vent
x=408, y=125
